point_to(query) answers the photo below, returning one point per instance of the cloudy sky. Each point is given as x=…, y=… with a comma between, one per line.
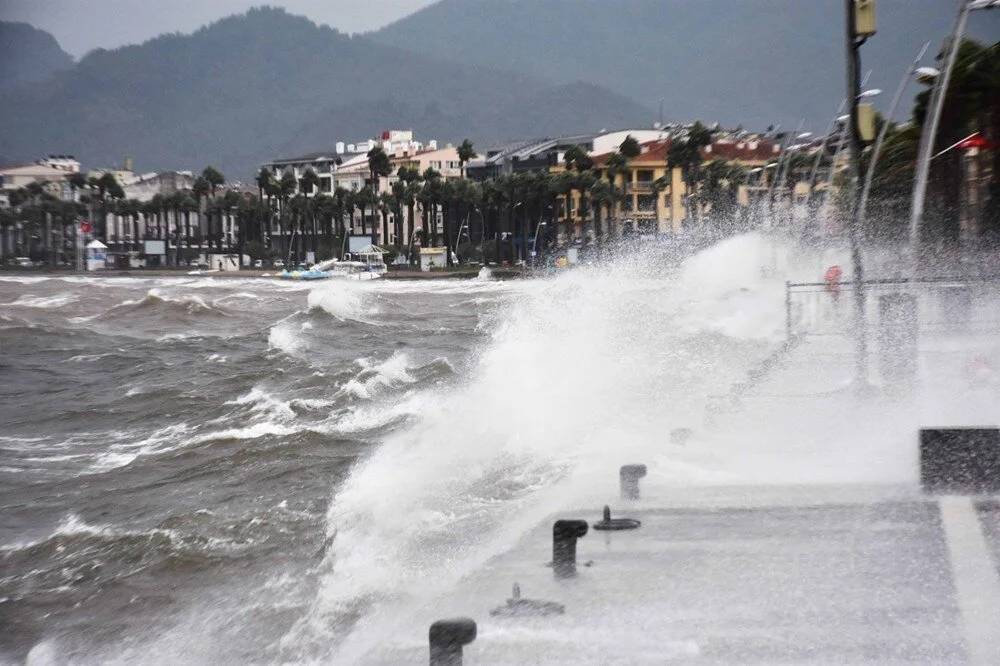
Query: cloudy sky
x=83, y=25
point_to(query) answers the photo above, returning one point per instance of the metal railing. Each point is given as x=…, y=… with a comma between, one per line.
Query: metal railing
x=969, y=304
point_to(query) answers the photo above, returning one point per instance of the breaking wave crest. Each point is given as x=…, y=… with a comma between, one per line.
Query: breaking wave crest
x=44, y=302
x=344, y=300
x=583, y=372
x=157, y=299
x=374, y=377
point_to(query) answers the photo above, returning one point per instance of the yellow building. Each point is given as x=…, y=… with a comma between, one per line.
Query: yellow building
x=652, y=202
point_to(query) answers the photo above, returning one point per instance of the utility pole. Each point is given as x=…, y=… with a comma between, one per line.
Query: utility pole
x=857, y=33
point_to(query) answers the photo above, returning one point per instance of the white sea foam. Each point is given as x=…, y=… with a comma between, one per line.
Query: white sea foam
x=123, y=453
x=248, y=432
x=262, y=401
x=87, y=358
x=584, y=372
x=284, y=337
x=193, y=303
x=344, y=300
x=377, y=376
x=44, y=302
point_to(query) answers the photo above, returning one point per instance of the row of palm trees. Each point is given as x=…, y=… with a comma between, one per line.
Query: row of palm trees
x=455, y=212
x=290, y=217
x=42, y=222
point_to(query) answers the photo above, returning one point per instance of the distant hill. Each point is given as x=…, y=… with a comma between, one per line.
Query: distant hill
x=754, y=62
x=28, y=55
x=254, y=86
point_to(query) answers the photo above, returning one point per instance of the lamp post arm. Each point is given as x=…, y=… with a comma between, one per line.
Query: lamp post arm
x=930, y=132
x=877, y=149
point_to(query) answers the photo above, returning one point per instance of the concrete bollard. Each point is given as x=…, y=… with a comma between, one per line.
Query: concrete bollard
x=446, y=639
x=960, y=460
x=564, y=536
x=629, y=476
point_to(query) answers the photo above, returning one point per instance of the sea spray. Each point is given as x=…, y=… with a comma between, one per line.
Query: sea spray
x=584, y=370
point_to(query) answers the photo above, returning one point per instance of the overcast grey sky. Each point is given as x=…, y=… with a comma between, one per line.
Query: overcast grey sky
x=83, y=25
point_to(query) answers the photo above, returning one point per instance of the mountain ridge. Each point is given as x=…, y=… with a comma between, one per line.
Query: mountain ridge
x=29, y=55
x=756, y=64
x=243, y=89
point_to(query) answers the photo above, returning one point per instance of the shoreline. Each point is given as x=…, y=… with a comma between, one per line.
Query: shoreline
x=500, y=273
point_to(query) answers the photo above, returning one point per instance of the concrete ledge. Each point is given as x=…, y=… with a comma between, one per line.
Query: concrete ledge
x=960, y=460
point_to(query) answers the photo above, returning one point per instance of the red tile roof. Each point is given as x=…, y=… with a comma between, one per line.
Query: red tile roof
x=656, y=151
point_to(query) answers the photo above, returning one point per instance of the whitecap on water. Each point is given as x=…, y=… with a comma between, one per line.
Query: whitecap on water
x=44, y=302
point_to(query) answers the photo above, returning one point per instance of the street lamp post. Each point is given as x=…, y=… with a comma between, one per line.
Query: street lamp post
x=534, y=246
x=854, y=40
x=513, y=210
x=781, y=160
x=930, y=128
x=877, y=149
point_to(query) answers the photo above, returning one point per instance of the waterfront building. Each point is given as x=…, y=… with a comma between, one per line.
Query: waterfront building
x=346, y=166
x=528, y=155
x=52, y=177
x=651, y=200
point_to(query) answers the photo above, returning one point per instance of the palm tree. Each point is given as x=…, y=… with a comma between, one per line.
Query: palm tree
x=309, y=181
x=200, y=189
x=265, y=185
x=721, y=187
x=430, y=197
x=151, y=213
x=685, y=154
x=284, y=188
x=342, y=203
x=398, y=198
x=171, y=211
x=561, y=189
x=386, y=204
x=77, y=181
x=298, y=207
x=213, y=177
x=131, y=208
x=323, y=208
x=602, y=198
x=365, y=198
x=379, y=166
x=411, y=177
x=465, y=153
x=186, y=204
x=617, y=164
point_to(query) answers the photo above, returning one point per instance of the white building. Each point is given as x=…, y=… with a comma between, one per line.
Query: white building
x=145, y=186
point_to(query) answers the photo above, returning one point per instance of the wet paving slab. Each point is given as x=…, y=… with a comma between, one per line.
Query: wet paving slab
x=834, y=582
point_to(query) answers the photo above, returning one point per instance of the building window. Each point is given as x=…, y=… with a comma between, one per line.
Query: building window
x=644, y=175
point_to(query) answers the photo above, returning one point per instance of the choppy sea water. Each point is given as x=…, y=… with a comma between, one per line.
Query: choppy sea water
x=169, y=440
x=206, y=470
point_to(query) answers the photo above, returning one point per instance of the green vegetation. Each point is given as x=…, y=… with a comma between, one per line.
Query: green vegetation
x=214, y=97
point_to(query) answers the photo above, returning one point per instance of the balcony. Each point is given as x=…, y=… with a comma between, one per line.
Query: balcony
x=640, y=187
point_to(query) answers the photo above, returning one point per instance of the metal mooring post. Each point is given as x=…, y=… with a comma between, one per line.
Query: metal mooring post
x=564, y=536
x=629, y=476
x=446, y=639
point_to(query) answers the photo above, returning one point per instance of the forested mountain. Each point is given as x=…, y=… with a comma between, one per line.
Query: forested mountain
x=754, y=62
x=28, y=54
x=249, y=87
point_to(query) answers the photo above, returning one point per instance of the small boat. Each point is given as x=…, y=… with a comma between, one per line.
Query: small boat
x=367, y=264
x=305, y=274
